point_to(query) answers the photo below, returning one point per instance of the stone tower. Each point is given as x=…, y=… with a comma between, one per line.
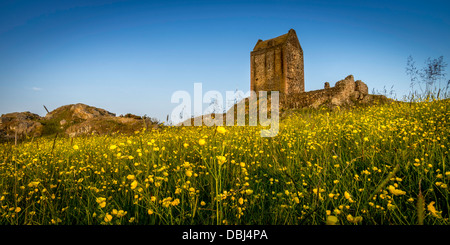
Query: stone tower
x=277, y=65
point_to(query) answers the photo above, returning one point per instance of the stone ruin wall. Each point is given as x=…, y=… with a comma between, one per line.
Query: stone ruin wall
x=345, y=92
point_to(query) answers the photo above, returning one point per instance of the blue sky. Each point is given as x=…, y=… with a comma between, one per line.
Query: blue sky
x=131, y=56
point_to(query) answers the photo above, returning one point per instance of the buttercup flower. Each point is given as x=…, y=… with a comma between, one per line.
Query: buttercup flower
x=133, y=184
x=221, y=130
x=433, y=210
x=108, y=218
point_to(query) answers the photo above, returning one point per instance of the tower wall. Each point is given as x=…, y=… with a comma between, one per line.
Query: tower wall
x=277, y=65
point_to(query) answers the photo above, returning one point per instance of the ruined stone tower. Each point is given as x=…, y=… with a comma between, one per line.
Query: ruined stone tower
x=277, y=65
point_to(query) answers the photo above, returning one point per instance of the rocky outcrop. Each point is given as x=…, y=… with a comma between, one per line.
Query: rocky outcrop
x=19, y=125
x=77, y=112
x=80, y=119
x=71, y=120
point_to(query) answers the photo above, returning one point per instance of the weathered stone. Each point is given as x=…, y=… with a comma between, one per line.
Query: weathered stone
x=20, y=124
x=347, y=84
x=345, y=92
x=277, y=65
x=361, y=87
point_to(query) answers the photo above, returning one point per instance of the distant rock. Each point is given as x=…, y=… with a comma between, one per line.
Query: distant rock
x=71, y=120
x=77, y=112
x=80, y=119
x=21, y=124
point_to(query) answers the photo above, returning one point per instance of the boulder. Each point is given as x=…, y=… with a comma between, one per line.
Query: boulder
x=361, y=87
x=20, y=124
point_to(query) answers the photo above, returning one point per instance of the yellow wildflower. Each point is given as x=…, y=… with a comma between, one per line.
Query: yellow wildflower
x=221, y=160
x=394, y=191
x=350, y=218
x=108, y=218
x=347, y=195
x=121, y=213
x=33, y=184
x=100, y=199
x=133, y=184
x=188, y=173
x=175, y=202
x=221, y=130
x=241, y=201
x=433, y=210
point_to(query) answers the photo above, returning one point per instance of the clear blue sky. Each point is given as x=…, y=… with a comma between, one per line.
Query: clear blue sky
x=130, y=56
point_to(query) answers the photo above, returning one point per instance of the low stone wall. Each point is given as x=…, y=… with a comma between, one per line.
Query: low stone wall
x=345, y=92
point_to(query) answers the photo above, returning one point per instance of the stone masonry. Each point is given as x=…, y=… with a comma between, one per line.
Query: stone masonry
x=345, y=92
x=277, y=65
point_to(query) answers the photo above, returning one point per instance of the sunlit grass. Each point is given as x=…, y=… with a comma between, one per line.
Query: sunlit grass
x=371, y=165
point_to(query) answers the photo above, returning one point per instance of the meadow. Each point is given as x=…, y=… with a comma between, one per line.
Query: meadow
x=384, y=164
